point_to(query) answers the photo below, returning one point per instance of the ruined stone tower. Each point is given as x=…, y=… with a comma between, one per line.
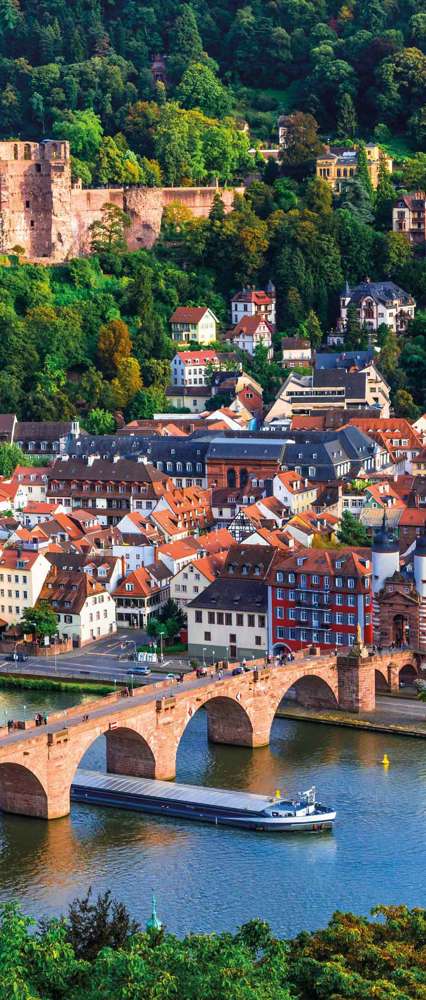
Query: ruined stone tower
x=35, y=198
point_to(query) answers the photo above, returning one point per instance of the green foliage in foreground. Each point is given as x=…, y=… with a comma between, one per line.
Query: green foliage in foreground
x=98, y=951
x=50, y=684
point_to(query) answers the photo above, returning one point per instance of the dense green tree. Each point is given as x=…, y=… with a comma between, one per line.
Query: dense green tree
x=84, y=131
x=362, y=171
x=347, y=124
x=405, y=406
x=186, y=44
x=100, y=421
x=108, y=234
x=385, y=195
x=41, y=620
x=302, y=145
x=351, y=531
x=200, y=88
x=355, y=335
x=93, y=924
x=11, y=455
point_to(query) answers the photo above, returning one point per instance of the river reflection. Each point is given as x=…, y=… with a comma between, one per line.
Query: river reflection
x=213, y=878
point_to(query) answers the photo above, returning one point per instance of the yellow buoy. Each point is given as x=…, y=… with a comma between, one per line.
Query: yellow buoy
x=385, y=760
x=278, y=794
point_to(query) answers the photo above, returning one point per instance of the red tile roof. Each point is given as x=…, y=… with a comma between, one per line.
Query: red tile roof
x=257, y=296
x=197, y=357
x=188, y=314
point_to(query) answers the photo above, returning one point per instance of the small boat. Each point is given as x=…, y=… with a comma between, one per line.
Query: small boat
x=219, y=806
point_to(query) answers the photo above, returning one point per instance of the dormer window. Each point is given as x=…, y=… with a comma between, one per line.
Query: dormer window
x=129, y=586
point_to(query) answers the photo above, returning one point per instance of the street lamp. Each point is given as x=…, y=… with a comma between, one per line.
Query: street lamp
x=204, y=656
x=161, y=634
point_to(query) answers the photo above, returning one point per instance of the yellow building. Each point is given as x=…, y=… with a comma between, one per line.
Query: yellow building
x=337, y=165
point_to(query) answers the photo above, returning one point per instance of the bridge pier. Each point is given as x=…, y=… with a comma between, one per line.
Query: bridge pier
x=356, y=681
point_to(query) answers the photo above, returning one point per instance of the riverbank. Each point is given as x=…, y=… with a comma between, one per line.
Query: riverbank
x=10, y=682
x=375, y=723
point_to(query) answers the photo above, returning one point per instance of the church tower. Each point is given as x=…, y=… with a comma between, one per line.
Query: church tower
x=385, y=559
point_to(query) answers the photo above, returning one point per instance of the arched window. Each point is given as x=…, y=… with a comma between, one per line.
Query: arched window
x=243, y=477
x=231, y=478
x=27, y=151
x=15, y=151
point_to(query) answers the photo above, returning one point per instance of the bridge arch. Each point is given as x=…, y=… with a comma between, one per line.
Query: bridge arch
x=128, y=752
x=228, y=721
x=311, y=691
x=22, y=792
x=381, y=680
x=408, y=673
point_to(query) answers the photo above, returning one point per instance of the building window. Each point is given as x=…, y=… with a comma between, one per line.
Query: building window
x=240, y=619
x=339, y=618
x=339, y=598
x=219, y=617
x=207, y=637
x=292, y=614
x=339, y=581
x=280, y=594
x=258, y=640
x=228, y=618
x=250, y=621
x=279, y=613
x=351, y=583
x=315, y=580
x=261, y=621
x=198, y=616
x=210, y=617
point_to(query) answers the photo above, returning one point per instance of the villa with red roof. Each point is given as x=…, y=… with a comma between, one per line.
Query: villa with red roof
x=191, y=367
x=194, y=323
x=251, y=331
x=254, y=302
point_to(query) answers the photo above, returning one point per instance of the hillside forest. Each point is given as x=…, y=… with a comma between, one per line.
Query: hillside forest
x=96, y=330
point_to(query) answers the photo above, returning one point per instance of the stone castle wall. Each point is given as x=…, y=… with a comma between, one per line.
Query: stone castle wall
x=44, y=214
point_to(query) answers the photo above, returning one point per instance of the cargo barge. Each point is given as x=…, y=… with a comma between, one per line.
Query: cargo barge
x=208, y=805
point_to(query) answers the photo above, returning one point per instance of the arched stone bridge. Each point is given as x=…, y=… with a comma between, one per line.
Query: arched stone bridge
x=143, y=730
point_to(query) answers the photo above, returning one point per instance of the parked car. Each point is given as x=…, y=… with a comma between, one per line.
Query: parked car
x=237, y=670
x=11, y=657
x=22, y=657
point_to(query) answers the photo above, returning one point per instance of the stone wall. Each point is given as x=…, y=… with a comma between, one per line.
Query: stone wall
x=49, y=218
x=145, y=207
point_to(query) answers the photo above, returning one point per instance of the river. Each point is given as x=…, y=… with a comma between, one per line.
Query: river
x=213, y=878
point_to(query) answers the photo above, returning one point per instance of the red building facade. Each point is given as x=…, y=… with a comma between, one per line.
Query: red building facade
x=320, y=597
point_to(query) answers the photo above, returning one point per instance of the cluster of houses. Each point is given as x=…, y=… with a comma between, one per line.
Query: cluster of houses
x=230, y=509
x=238, y=526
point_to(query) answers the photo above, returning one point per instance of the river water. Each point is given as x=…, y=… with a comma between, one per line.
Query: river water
x=213, y=878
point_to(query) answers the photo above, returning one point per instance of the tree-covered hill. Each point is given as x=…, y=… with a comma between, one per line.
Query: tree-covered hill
x=362, y=62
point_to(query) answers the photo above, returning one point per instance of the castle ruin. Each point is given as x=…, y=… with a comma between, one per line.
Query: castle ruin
x=45, y=214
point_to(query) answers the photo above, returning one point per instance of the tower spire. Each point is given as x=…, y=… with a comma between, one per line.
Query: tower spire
x=154, y=923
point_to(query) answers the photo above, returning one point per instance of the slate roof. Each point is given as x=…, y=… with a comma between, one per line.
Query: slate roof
x=354, y=383
x=232, y=594
x=346, y=359
x=381, y=291
x=105, y=471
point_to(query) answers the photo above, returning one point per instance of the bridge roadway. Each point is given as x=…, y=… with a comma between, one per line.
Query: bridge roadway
x=143, y=730
x=74, y=716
